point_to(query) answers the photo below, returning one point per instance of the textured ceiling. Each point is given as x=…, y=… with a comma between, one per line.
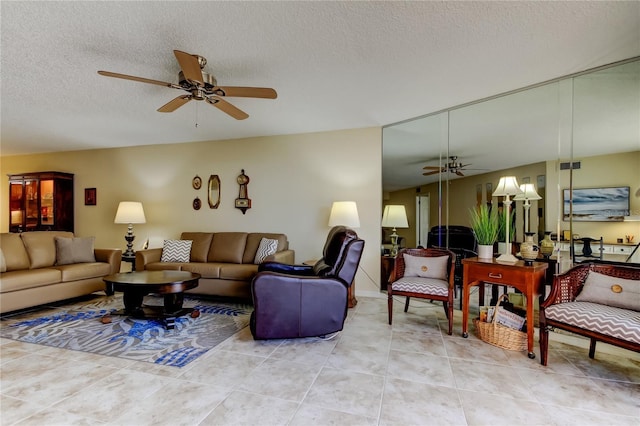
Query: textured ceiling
x=335, y=65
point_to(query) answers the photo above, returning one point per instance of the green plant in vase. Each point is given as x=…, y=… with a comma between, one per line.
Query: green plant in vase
x=485, y=223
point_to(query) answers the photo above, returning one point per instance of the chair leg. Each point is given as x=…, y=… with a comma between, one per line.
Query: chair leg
x=406, y=304
x=592, y=349
x=390, y=305
x=449, y=312
x=544, y=344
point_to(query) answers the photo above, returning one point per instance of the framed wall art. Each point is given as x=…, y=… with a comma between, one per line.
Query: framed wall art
x=90, y=197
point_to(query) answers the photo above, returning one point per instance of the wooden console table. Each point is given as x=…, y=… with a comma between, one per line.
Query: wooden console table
x=528, y=279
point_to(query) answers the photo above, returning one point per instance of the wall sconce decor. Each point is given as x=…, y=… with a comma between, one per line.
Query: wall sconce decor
x=243, y=202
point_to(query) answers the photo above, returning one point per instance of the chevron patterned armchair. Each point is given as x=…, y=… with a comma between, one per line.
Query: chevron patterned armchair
x=598, y=301
x=425, y=274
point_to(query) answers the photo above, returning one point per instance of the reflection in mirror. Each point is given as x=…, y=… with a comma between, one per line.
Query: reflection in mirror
x=591, y=118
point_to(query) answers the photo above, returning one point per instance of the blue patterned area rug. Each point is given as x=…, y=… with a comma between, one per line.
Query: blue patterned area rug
x=77, y=326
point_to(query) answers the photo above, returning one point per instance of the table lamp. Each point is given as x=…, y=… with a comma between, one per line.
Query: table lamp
x=507, y=186
x=344, y=213
x=528, y=193
x=130, y=212
x=394, y=216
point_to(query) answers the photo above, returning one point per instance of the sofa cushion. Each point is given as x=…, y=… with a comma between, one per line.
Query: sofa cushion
x=206, y=270
x=200, y=246
x=612, y=291
x=266, y=248
x=15, y=254
x=426, y=267
x=228, y=247
x=240, y=272
x=164, y=266
x=608, y=320
x=176, y=251
x=253, y=242
x=74, y=250
x=41, y=247
x=83, y=271
x=29, y=278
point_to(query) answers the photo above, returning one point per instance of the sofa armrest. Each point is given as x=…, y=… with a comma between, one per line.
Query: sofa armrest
x=284, y=256
x=144, y=257
x=286, y=268
x=111, y=256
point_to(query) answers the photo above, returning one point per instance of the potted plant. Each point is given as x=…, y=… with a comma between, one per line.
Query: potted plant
x=485, y=224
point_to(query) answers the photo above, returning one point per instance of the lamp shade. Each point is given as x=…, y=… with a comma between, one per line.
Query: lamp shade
x=394, y=216
x=508, y=185
x=528, y=193
x=130, y=212
x=344, y=213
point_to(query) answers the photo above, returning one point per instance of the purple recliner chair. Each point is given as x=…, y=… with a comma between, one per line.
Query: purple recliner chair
x=292, y=301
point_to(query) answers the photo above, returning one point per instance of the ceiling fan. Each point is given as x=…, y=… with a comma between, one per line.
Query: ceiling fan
x=201, y=86
x=452, y=166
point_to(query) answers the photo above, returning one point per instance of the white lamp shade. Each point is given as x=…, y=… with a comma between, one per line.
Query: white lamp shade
x=344, y=213
x=394, y=216
x=508, y=185
x=528, y=193
x=130, y=212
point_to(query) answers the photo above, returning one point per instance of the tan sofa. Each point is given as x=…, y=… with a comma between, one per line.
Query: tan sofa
x=30, y=275
x=225, y=260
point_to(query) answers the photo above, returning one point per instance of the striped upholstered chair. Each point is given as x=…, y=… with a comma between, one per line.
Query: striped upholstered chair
x=425, y=274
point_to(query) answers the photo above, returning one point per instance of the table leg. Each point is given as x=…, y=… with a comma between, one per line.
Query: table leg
x=133, y=301
x=173, y=302
x=465, y=308
x=530, y=298
x=351, y=295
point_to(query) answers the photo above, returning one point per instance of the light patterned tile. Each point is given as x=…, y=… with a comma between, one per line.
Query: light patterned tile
x=425, y=368
x=310, y=415
x=294, y=379
x=242, y=408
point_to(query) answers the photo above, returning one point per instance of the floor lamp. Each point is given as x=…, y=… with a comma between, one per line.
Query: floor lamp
x=507, y=187
x=528, y=193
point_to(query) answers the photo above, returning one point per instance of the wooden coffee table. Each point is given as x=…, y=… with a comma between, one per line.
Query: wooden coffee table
x=136, y=285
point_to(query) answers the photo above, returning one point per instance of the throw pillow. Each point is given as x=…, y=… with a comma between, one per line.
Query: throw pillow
x=176, y=251
x=611, y=291
x=3, y=262
x=74, y=250
x=426, y=267
x=266, y=248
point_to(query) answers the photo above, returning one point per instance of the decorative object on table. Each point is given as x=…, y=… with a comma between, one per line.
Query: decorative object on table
x=485, y=223
x=507, y=187
x=213, y=195
x=90, y=197
x=632, y=218
x=528, y=194
x=197, y=203
x=243, y=202
x=528, y=249
x=547, y=245
x=77, y=326
x=394, y=216
x=196, y=182
x=500, y=335
x=344, y=213
x=130, y=212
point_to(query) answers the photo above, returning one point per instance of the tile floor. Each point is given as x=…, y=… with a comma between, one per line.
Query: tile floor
x=411, y=373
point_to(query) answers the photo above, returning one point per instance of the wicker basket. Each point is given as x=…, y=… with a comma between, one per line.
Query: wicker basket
x=499, y=335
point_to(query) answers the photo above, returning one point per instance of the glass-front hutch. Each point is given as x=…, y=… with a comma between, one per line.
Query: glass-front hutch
x=41, y=201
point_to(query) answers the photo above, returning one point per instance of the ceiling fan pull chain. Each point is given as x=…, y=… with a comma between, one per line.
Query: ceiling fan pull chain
x=196, y=115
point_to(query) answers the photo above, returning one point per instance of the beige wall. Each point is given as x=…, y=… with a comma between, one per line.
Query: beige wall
x=599, y=171
x=294, y=180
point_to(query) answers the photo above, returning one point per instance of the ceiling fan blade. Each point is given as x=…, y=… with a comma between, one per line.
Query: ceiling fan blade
x=140, y=79
x=190, y=66
x=246, y=92
x=174, y=104
x=226, y=107
x=432, y=167
x=435, y=172
x=459, y=173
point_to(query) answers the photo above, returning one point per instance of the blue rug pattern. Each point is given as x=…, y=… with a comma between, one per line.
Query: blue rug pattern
x=77, y=326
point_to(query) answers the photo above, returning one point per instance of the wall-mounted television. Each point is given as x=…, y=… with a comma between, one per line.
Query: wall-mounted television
x=610, y=204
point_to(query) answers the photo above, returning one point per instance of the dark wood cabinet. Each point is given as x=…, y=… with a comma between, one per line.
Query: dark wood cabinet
x=41, y=201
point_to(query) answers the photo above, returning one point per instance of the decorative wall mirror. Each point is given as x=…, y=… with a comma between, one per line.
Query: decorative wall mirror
x=214, y=191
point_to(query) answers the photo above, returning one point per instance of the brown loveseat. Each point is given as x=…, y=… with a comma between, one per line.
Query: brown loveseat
x=32, y=273
x=225, y=260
